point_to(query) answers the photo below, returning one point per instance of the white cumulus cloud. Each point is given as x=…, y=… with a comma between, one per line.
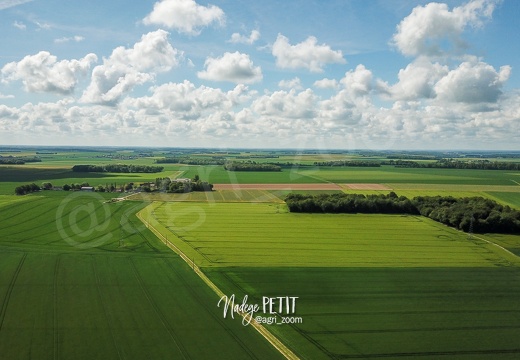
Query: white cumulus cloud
x=326, y=83
x=287, y=105
x=43, y=72
x=473, y=82
x=295, y=83
x=185, y=16
x=307, y=54
x=428, y=27
x=184, y=101
x=418, y=80
x=128, y=67
x=242, y=39
x=358, y=82
x=232, y=67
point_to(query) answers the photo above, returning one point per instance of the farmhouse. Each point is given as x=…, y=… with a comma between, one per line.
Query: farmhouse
x=150, y=184
x=87, y=188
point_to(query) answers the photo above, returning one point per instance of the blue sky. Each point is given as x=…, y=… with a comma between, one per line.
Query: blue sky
x=345, y=74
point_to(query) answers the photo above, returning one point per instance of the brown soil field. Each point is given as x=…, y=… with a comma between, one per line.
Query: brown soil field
x=366, y=187
x=327, y=186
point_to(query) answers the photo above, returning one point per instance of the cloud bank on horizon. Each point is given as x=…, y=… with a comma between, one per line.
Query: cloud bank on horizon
x=202, y=75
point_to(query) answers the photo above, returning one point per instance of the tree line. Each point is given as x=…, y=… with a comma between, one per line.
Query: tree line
x=250, y=166
x=118, y=168
x=348, y=163
x=12, y=160
x=30, y=188
x=476, y=214
x=26, y=189
x=457, y=164
x=439, y=164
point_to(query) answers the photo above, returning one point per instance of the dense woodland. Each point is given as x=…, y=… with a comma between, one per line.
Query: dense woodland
x=476, y=214
x=118, y=168
x=167, y=185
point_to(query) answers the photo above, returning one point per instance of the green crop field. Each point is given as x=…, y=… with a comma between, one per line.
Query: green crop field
x=387, y=174
x=390, y=313
x=218, y=175
x=243, y=195
x=230, y=234
x=83, y=279
x=367, y=285
x=508, y=198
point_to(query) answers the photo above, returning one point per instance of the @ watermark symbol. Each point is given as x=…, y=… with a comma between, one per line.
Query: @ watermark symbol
x=276, y=310
x=83, y=219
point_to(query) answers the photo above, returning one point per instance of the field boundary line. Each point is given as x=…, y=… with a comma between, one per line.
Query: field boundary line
x=273, y=340
x=499, y=246
x=516, y=257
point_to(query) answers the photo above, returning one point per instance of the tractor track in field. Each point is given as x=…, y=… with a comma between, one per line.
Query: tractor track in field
x=16, y=205
x=158, y=312
x=56, y=333
x=215, y=317
x=44, y=213
x=104, y=307
x=429, y=354
x=53, y=231
x=3, y=310
x=182, y=238
x=404, y=330
x=145, y=240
